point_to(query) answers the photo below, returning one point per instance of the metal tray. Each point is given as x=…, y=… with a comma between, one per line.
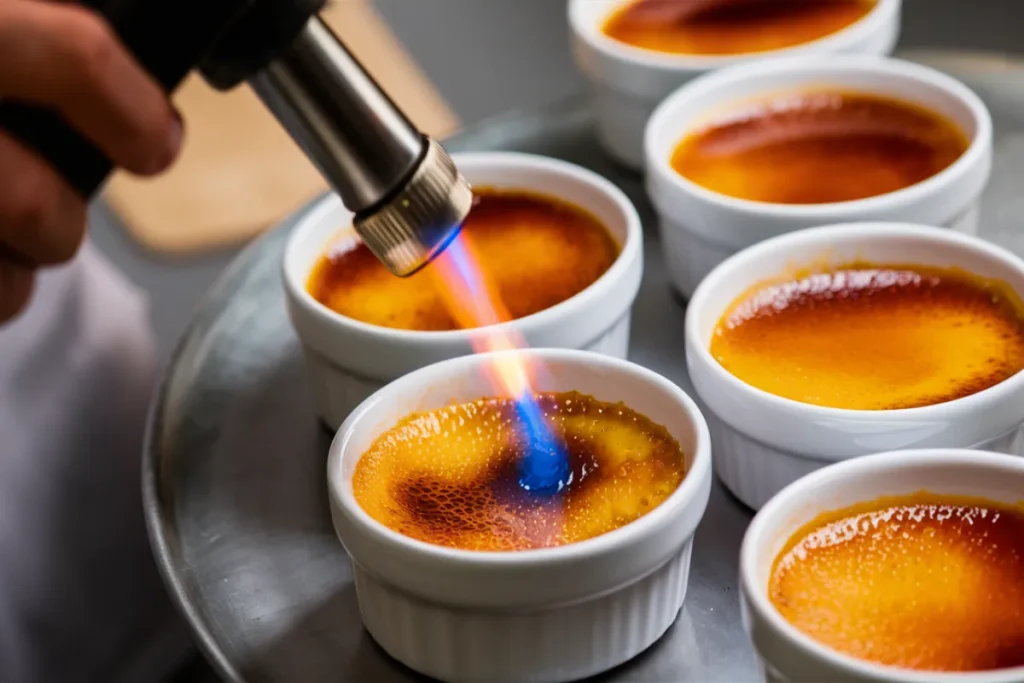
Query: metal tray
x=234, y=488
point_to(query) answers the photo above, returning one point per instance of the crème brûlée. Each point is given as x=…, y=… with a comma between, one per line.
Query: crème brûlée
x=535, y=251
x=874, y=337
x=819, y=147
x=729, y=27
x=451, y=476
x=921, y=582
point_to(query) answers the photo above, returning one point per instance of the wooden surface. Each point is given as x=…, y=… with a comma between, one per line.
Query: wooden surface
x=239, y=172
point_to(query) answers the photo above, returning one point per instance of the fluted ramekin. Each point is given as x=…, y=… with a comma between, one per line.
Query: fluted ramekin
x=786, y=654
x=348, y=360
x=700, y=228
x=764, y=442
x=551, y=614
x=627, y=82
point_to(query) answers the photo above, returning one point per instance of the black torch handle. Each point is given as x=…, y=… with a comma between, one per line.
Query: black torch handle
x=167, y=37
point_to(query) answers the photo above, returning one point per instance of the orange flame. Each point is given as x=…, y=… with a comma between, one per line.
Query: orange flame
x=474, y=301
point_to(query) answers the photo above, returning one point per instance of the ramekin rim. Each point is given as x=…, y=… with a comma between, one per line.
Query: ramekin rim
x=876, y=20
x=684, y=496
x=697, y=351
x=658, y=159
x=800, y=489
x=631, y=250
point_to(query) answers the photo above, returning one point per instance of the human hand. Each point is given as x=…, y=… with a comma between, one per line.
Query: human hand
x=66, y=58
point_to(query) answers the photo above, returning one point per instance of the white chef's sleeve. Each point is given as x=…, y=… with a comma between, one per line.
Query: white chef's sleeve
x=80, y=597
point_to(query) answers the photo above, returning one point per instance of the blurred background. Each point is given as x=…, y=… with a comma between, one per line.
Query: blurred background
x=482, y=57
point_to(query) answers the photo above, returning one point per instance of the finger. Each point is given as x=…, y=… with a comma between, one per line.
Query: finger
x=67, y=58
x=16, y=284
x=41, y=217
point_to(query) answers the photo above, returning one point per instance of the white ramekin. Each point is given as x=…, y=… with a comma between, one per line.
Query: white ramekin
x=700, y=228
x=348, y=359
x=788, y=655
x=764, y=442
x=553, y=614
x=627, y=83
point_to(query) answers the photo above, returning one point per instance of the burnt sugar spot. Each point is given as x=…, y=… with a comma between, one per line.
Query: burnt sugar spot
x=442, y=507
x=819, y=147
x=451, y=477
x=923, y=582
x=722, y=27
x=537, y=250
x=874, y=337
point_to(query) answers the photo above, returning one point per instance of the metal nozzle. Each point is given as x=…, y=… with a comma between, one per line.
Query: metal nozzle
x=407, y=195
x=415, y=225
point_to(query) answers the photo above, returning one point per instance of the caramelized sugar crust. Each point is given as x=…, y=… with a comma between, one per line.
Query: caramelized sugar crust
x=874, y=337
x=449, y=476
x=726, y=27
x=820, y=147
x=537, y=250
x=919, y=582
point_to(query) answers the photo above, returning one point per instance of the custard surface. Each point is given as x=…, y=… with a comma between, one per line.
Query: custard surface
x=877, y=337
x=537, y=251
x=819, y=147
x=450, y=477
x=729, y=27
x=919, y=582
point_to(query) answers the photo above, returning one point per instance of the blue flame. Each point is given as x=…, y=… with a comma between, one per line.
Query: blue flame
x=465, y=269
x=543, y=467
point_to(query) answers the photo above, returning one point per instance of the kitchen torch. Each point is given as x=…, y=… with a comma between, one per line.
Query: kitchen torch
x=407, y=196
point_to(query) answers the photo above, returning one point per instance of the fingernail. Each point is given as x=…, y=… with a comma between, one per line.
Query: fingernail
x=177, y=132
x=175, y=136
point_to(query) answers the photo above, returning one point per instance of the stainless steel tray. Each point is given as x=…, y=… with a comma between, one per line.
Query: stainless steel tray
x=234, y=484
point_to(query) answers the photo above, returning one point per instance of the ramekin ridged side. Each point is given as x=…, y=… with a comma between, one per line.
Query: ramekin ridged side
x=754, y=472
x=458, y=644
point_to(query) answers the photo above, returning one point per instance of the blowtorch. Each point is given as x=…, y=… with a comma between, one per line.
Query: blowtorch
x=407, y=196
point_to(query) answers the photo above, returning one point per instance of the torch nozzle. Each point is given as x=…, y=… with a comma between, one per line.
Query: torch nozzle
x=408, y=198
